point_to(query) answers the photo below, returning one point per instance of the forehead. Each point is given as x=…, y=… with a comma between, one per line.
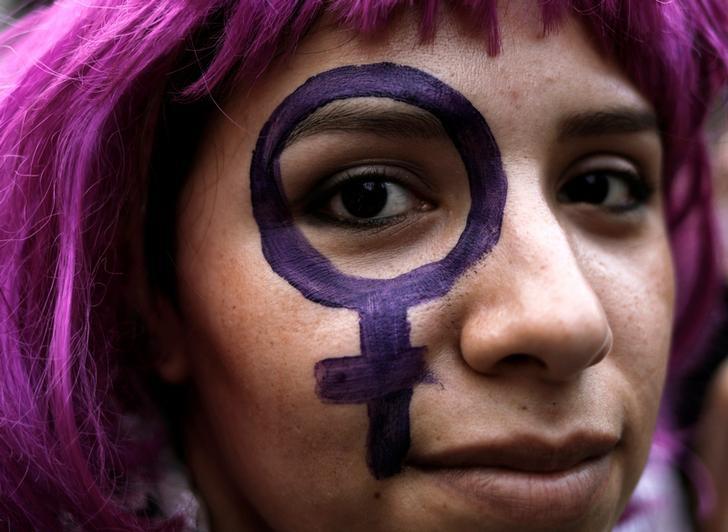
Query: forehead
x=562, y=72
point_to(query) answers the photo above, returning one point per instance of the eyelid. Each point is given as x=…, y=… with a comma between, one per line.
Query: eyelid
x=316, y=206
x=616, y=164
x=383, y=171
x=641, y=185
x=611, y=162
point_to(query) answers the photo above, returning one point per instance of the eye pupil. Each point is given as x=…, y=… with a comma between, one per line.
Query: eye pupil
x=589, y=188
x=364, y=199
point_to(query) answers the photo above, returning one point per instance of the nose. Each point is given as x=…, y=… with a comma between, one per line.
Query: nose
x=533, y=311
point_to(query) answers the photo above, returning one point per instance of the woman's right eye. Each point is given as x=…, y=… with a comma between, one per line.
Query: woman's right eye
x=370, y=197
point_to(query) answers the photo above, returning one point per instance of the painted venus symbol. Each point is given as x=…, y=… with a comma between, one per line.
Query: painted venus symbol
x=384, y=374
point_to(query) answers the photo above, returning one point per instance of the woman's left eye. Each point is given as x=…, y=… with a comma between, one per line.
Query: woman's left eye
x=614, y=190
x=366, y=199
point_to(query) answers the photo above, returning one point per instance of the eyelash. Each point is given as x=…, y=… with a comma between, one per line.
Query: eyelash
x=386, y=175
x=639, y=189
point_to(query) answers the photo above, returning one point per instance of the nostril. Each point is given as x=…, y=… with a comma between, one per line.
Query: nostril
x=520, y=360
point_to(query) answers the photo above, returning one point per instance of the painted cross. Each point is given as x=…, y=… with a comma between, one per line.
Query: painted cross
x=383, y=377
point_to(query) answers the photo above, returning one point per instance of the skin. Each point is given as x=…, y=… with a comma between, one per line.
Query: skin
x=563, y=329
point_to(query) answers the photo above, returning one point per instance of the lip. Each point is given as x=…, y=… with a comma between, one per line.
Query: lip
x=525, y=479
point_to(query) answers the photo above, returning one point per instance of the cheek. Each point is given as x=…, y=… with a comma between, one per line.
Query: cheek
x=636, y=286
x=253, y=340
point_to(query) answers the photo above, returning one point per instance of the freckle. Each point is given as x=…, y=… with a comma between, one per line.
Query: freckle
x=377, y=495
x=524, y=408
x=553, y=403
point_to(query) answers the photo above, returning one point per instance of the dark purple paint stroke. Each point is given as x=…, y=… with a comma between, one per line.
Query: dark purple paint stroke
x=387, y=363
x=388, y=368
x=389, y=433
x=383, y=377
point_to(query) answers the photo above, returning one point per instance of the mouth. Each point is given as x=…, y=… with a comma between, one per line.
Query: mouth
x=524, y=479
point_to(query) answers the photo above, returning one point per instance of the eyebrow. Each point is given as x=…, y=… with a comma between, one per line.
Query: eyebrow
x=609, y=122
x=387, y=119
x=397, y=120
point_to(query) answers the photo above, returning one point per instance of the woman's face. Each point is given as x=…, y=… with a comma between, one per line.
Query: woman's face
x=519, y=388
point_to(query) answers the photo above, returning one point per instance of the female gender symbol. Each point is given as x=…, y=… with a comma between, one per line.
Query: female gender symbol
x=385, y=373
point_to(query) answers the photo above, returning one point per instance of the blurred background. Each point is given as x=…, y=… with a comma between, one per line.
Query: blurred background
x=14, y=8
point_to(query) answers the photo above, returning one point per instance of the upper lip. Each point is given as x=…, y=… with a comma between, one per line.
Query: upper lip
x=525, y=453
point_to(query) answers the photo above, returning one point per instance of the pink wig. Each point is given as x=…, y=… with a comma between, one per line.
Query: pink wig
x=90, y=94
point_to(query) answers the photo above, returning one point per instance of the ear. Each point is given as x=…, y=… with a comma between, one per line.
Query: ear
x=163, y=321
x=167, y=340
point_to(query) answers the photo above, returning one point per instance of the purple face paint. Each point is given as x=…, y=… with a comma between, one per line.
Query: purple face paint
x=384, y=375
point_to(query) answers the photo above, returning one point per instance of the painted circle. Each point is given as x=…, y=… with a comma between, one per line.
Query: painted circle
x=291, y=255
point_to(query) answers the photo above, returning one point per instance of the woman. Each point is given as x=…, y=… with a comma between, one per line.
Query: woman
x=380, y=267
